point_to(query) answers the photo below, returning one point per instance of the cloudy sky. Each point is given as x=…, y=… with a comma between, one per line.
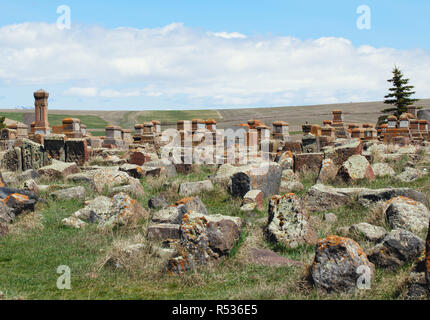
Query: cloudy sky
x=183, y=54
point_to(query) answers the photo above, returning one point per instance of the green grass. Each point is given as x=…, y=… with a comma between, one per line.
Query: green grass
x=17, y=116
x=29, y=258
x=171, y=116
x=97, y=133
x=91, y=121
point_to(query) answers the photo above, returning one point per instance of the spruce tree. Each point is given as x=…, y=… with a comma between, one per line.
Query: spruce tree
x=399, y=95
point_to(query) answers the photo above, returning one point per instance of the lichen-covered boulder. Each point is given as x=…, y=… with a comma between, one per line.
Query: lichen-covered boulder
x=204, y=239
x=252, y=200
x=133, y=170
x=18, y=199
x=406, y=213
x=73, y=222
x=328, y=171
x=344, y=150
x=187, y=189
x=409, y=174
x=108, y=213
x=336, y=265
x=265, y=176
x=285, y=160
x=308, y=162
x=163, y=231
x=77, y=193
x=191, y=204
x=110, y=178
x=355, y=168
x=398, y=247
x=169, y=215
x=157, y=203
x=58, y=169
x=383, y=170
x=368, y=231
x=321, y=198
x=288, y=223
x=31, y=185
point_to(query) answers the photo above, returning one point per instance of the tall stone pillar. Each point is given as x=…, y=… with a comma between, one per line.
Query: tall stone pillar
x=41, y=125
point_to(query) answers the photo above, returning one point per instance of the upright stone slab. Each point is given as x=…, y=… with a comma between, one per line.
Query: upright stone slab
x=310, y=144
x=265, y=177
x=304, y=162
x=55, y=146
x=12, y=160
x=33, y=155
x=76, y=151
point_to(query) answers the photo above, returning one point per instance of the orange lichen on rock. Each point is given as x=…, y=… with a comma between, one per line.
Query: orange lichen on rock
x=401, y=199
x=182, y=201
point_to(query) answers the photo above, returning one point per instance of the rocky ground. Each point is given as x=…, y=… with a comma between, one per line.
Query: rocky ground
x=304, y=229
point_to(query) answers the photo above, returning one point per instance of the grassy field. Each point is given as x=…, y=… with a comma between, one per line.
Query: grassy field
x=91, y=121
x=226, y=118
x=38, y=244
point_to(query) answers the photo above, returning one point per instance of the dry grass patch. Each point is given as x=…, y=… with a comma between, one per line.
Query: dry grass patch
x=26, y=222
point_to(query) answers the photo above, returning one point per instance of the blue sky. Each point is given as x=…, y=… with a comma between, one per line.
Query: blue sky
x=399, y=34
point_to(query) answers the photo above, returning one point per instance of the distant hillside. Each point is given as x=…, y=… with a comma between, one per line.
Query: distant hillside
x=227, y=118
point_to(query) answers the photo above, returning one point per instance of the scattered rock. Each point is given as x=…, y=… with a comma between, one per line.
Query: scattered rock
x=336, y=264
x=409, y=174
x=193, y=188
x=253, y=198
x=269, y=258
x=265, y=177
x=340, y=153
x=170, y=215
x=157, y=203
x=288, y=223
x=320, y=198
x=203, y=239
x=191, y=204
x=73, y=222
x=163, y=231
x=77, y=193
x=355, y=168
x=328, y=171
x=58, y=169
x=106, y=212
x=405, y=213
x=397, y=248
x=31, y=185
x=367, y=231
x=308, y=162
x=132, y=170
x=383, y=170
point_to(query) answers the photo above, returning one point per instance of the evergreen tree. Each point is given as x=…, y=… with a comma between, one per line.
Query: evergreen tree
x=399, y=95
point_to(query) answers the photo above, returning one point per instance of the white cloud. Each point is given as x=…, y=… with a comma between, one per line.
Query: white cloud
x=192, y=67
x=228, y=35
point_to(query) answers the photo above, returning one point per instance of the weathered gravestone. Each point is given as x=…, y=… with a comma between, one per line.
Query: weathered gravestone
x=76, y=151
x=33, y=155
x=265, y=177
x=12, y=160
x=55, y=147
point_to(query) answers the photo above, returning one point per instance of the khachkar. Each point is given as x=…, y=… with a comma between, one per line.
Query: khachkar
x=41, y=125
